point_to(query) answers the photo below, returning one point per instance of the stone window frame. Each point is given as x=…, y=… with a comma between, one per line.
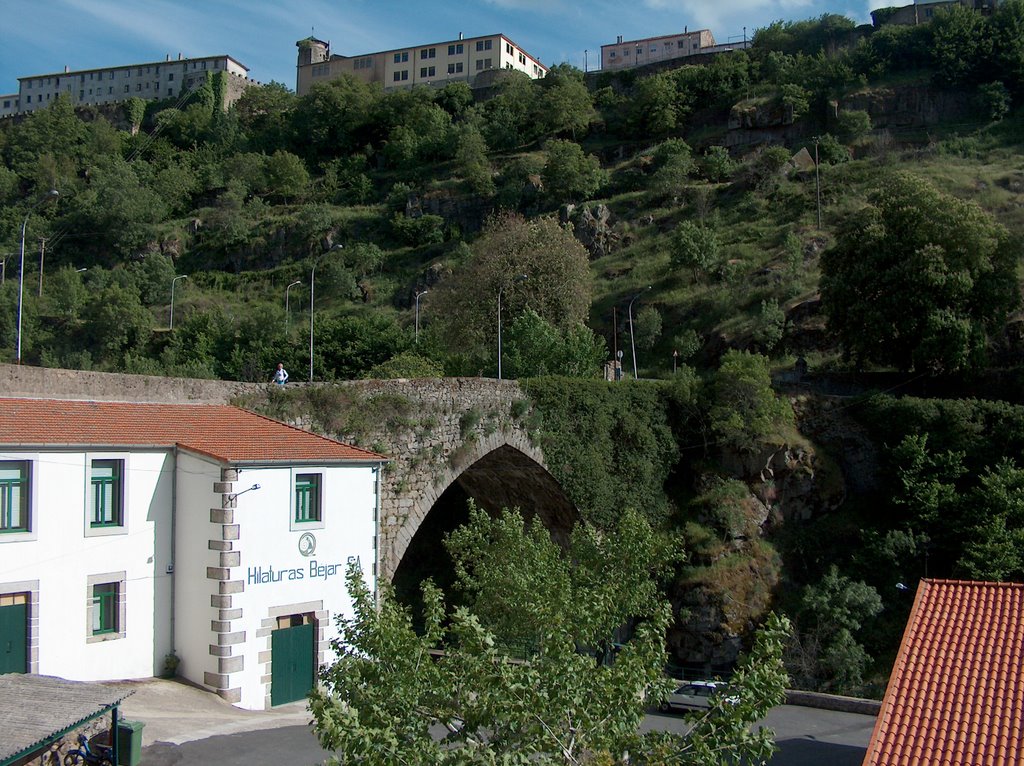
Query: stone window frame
x=108, y=578
x=303, y=526
x=30, y=589
x=31, y=459
x=109, y=529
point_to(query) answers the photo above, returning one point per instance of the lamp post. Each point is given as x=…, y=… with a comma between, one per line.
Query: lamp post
x=52, y=194
x=519, y=278
x=312, y=288
x=632, y=343
x=418, y=296
x=171, y=324
x=287, y=309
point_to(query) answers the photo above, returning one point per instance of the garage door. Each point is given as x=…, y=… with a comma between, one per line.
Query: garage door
x=14, y=638
x=292, y=664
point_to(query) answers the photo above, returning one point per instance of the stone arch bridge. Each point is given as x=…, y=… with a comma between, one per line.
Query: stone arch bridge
x=447, y=440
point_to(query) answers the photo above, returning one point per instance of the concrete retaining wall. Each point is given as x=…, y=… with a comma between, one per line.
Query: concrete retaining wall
x=833, y=702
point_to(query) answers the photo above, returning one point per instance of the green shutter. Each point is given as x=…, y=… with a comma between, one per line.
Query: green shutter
x=14, y=639
x=292, y=664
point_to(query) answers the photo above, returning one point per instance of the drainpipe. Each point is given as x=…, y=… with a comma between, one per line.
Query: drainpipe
x=376, y=533
x=174, y=526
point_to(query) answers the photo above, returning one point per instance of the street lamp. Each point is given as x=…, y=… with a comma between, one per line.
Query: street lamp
x=519, y=278
x=418, y=296
x=632, y=343
x=312, y=288
x=183, y=276
x=287, y=309
x=52, y=194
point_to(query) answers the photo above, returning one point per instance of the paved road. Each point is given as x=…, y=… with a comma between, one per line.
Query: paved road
x=807, y=737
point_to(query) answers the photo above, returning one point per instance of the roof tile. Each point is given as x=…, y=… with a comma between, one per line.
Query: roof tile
x=956, y=694
x=225, y=433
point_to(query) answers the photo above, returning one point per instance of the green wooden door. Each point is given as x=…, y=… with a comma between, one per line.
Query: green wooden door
x=14, y=638
x=292, y=664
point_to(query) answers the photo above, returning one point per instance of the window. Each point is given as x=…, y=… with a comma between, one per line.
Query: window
x=456, y=49
x=28, y=99
x=625, y=51
x=307, y=497
x=106, y=495
x=105, y=607
x=455, y=68
x=522, y=59
x=170, y=77
x=14, y=489
x=7, y=104
x=402, y=75
x=126, y=88
x=428, y=53
x=483, y=45
x=81, y=94
x=401, y=57
x=508, y=49
x=427, y=71
x=611, y=55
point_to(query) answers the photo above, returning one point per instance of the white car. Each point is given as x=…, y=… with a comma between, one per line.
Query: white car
x=693, y=694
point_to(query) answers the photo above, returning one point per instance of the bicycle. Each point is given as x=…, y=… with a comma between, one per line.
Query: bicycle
x=101, y=756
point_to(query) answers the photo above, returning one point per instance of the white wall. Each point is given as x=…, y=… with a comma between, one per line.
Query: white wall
x=270, y=541
x=193, y=612
x=61, y=557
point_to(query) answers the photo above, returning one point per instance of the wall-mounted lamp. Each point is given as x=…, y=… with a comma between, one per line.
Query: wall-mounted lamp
x=237, y=494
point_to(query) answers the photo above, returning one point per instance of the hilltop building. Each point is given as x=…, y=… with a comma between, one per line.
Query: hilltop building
x=923, y=11
x=473, y=60
x=151, y=81
x=651, y=50
x=130, y=533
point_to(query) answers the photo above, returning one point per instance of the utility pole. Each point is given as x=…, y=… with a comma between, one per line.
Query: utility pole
x=817, y=179
x=42, y=254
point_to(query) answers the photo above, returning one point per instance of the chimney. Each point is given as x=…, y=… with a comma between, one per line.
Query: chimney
x=179, y=55
x=686, y=30
x=618, y=40
x=168, y=57
x=66, y=69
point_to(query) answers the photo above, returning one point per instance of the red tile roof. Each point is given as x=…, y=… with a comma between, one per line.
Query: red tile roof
x=956, y=694
x=227, y=434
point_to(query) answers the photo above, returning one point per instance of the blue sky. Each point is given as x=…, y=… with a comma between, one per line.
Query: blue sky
x=44, y=36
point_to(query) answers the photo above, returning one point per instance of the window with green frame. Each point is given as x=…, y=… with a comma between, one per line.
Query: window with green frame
x=104, y=608
x=106, y=494
x=307, y=497
x=14, y=492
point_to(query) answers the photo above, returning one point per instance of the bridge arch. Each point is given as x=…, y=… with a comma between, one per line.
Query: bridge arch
x=502, y=470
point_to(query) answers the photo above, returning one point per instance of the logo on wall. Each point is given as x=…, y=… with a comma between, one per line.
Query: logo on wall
x=307, y=544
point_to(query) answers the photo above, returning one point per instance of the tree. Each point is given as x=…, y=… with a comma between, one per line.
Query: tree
x=561, y=703
x=557, y=286
x=565, y=106
x=285, y=175
x=825, y=654
x=471, y=161
x=535, y=347
x=918, y=279
x=744, y=410
x=716, y=165
x=694, y=247
x=569, y=174
x=852, y=124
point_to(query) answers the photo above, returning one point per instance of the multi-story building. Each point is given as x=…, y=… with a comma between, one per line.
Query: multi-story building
x=923, y=11
x=633, y=53
x=473, y=60
x=134, y=532
x=153, y=80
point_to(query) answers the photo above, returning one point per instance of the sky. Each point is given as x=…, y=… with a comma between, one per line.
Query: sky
x=43, y=36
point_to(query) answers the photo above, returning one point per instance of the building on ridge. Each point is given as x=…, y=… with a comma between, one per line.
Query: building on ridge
x=629, y=54
x=923, y=11
x=153, y=80
x=474, y=60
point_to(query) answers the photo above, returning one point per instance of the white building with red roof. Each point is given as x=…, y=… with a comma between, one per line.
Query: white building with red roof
x=133, y=532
